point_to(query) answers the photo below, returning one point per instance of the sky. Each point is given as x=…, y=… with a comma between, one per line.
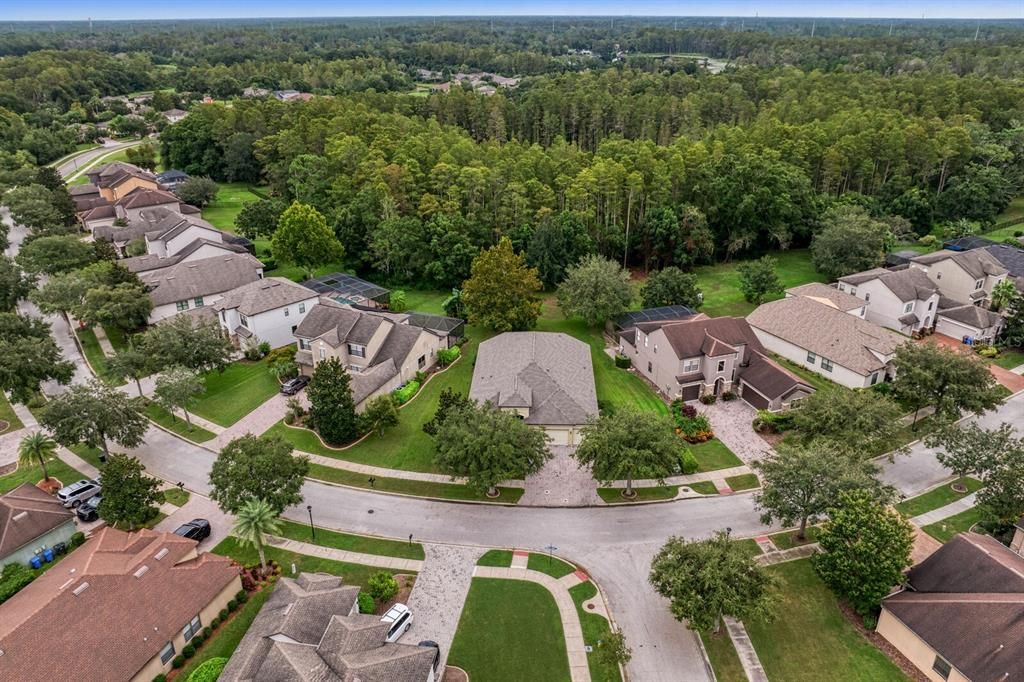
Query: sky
x=203, y=9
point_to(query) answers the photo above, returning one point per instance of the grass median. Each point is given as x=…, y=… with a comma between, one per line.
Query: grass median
x=448, y=491
x=363, y=544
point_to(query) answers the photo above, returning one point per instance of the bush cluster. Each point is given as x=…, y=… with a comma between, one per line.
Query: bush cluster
x=13, y=578
x=772, y=422
x=382, y=586
x=405, y=393
x=693, y=427
x=448, y=355
x=209, y=670
x=708, y=399
x=366, y=604
x=623, y=362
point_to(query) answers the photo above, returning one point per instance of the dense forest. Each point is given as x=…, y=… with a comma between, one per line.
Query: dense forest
x=615, y=141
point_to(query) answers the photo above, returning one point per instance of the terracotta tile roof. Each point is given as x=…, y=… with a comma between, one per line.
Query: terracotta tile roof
x=26, y=513
x=127, y=602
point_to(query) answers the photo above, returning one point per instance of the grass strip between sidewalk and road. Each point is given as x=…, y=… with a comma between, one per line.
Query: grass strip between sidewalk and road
x=595, y=628
x=550, y=565
x=499, y=558
x=448, y=491
x=742, y=482
x=661, y=492
x=363, y=544
x=937, y=498
x=177, y=425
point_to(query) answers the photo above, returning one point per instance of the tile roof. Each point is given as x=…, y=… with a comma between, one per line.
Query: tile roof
x=126, y=614
x=966, y=601
x=829, y=295
x=551, y=373
x=908, y=284
x=265, y=294
x=27, y=512
x=845, y=339
x=201, y=277
x=141, y=197
x=978, y=263
x=306, y=631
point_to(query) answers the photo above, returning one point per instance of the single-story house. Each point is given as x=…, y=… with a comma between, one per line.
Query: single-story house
x=344, y=288
x=31, y=520
x=193, y=284
x=970, y=323
x=904, y=300
x=547, y=378
x=845, y=348
x=960, y=617
x=120, y=607
x=268, y=309
x=710, y=356
x=311, y=629
x=380, y=350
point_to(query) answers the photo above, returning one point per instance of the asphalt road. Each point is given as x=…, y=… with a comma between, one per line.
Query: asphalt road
x=71, y=166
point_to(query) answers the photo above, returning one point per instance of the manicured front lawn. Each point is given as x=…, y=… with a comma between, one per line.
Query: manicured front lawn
x=939, y=497
x=749, y=547
x=363, y=544
x=238, y=390
x=1010, y=358
x=33, y=474
x=595, y=628
x=703, y=487
x=550, y=565
x=661, y=492
x=177, y=496
x=7, y=414
x=94, y=354
x=231, y=196
x=170, y=422
x=450, y=491
x=721, y=283
x=944, y=530
x=743, y=482
x=501, y=558
x=723, y=657
x=810, y=639
x=225, y=641
x=510, y=630
x=713, y=455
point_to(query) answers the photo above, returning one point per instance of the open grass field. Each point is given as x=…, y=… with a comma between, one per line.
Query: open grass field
x=7, y=415
x=363, y=544
x=510, y=630
x=721, y=283
x=228, y=203
x=810, y=639
x=595, y=628
x=238, y=390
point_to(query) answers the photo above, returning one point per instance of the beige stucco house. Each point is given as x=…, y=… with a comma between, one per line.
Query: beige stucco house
x=967, y=276
x=905, y=301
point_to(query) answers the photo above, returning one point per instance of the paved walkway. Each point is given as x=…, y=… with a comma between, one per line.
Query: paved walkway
x=783, y=555
x=561, y=483
x=951, y=509
x=731, y=422
x=1019, y=369
x=1011, y=380
x=101, y=338
x=579, y=670
x=686, y=479
x=439, y=593
x=68, y=457
x=256, y=422
x=745, y=650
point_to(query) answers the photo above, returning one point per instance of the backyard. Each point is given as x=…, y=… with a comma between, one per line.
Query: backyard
x=227, y=204
x=721, y=283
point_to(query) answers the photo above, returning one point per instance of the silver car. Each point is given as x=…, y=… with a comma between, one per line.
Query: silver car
x=400, y=618
x=78, y=492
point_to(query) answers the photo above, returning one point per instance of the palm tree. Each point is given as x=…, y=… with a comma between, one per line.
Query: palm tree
x=36, y=447
x=1003, y=294
x=255, y=519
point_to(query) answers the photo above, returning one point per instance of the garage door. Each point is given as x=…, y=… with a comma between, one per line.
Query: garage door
x=754, y=398
x=690, y=392
x=559, y=436
x=954, y=329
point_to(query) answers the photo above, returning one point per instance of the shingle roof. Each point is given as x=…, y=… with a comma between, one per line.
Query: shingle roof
x=141, y=197
x=27, y=512
x=688, y=337
x=977, y=263
x=770, y=379
x=844, y=339
x=555, y=367
x=966, y=601
x=265, y=294
x=908, y=284
x=113, y=174
x=201, y=277
x=973, y=315
x=1011, y=258
x=83, y=190
x=127, y=613
x=829, y=295
x=151, y=261
x=304, y=632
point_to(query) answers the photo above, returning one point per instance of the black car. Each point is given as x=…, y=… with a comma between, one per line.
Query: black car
x=196, y=529
x=293, y=386
x=90, y=509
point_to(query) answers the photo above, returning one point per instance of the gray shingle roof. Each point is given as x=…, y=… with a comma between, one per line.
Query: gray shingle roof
x=973, y=315
x=263, y=295
x=151, y=261
x=1011, y=258
x=908, y=284
x=838, y=299
x=844, y=339
x=202, y=277
x=554, y=367
x=688, y=338
x=978, y=262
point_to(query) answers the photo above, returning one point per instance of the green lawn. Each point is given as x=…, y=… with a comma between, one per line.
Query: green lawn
x=238, y=390
x=550, y=565
x=703, y=487
x=33, y=474
x=501, y=558
x=1010, y=358
x=661, y=492
x=450, y=491
x=196, y=434
x=939, y=497
x=713, y=455
x=810, y=639
x=7, y=414
x=743, y=482
x=224, y=642
x=363, y=544
x=749, y=547
x=510, y=630
x=721, y=283
x=94, y=354
x=118, y=339
x=944, y=530
x=787, y=539
x=594, y=628
x=422, y=300
x=177, y=496
x=88, y=453
x=722, y=653
x=228, y=203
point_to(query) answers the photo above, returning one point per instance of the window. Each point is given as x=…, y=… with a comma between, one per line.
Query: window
x=244, y=319
x=874, y=378
x=655, y=349
x=938, y=275
x=302, y=308
x=867, y=296
x=356, y=350
x=167, y=653
x=721, y=366
x=181, y=305
x=223, y=316
x=303, y=344
x=930, y=304
x=826, y=364
x=980, y=283
x=942, y=667
x=286, y=312
x=811, y=358
x=294, y=327
x=323, y=354
x=842, y=287
x=908, y=307
x=853, y=291
x=421, y=362
x=193, y=628
x=692, y=365
x=199, y=301
x=645, y=342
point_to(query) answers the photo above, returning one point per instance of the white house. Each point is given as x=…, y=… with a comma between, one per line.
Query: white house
x=967, y=276
x=904, y=300
x=195, y=284
x=268, y=309
x=964, y=321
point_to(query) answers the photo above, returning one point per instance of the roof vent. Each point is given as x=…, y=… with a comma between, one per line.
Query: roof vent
x=80, y=589
x=161, y=554
x=19, y=516
x=143, y=570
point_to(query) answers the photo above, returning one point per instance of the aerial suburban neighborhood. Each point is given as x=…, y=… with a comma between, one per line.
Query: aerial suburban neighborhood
x=559, y=349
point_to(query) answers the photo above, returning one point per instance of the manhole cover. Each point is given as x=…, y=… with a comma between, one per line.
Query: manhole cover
x=591, y=607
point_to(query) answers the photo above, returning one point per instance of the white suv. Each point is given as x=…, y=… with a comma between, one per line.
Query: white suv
x=78, y=492
x=400, y=618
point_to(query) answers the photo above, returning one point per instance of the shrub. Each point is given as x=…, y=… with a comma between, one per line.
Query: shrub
x=366, y=604
x=986, y=351
x=223, y=614
x=241, y=596
x=282, y=354
x=405, y=393
x=693, y=427
x=688, y=462
x=420, y=377
x=884, y=388
x=216, y=621
x=447, y=356
x=36, y=401
x=396, y=303
x=622, y=361
x=160, y=678
x=708, y=399
x=253, y=353
x=13, y=578
x=178, y=661
x=729, y=395
x=772, y=422
x=382, y=586
x=207, y=632
x=268, y=263
x=189, y=651
x=232, y=605
x=1018, y=233
x=197, y=640
x=928, y=240
x=209, y=670
x=264, y=348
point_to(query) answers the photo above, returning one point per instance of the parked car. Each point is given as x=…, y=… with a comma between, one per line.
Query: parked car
x=78, y=492
x=400, y=618
x=196, y=529
x=293, y=386
x=90, y=509
x=437, y=651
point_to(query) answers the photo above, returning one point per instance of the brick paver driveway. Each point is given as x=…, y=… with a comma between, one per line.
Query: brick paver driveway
x=731, y=422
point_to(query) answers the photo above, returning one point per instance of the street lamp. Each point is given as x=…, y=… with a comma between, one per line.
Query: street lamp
x=312, y=530
x=551, y=550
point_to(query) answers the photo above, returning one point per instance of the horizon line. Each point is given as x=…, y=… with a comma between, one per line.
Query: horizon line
x=512, y=16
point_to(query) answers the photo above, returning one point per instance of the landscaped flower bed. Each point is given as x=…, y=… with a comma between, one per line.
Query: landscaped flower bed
x=690, y=425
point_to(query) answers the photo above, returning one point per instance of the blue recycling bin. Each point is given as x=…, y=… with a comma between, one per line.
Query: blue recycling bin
x=35, y=562
x=47, y=555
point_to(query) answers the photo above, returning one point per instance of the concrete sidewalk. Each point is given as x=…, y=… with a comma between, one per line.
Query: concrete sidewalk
x=345, y=555
x=745, y=650
x=951, y=509
x=68, y=457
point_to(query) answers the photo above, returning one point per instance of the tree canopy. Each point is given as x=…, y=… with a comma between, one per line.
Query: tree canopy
x=595, y=289
x=501, y=293
x=257, y=467
x=30, y=356
x=95, y=414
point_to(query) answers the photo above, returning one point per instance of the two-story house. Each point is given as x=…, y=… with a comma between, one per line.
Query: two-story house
x=268, y=309
x=903, y=300
x=700, y=356
x=116, y=180
x=381, y=350
x=194, y=284
x=966, y=276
